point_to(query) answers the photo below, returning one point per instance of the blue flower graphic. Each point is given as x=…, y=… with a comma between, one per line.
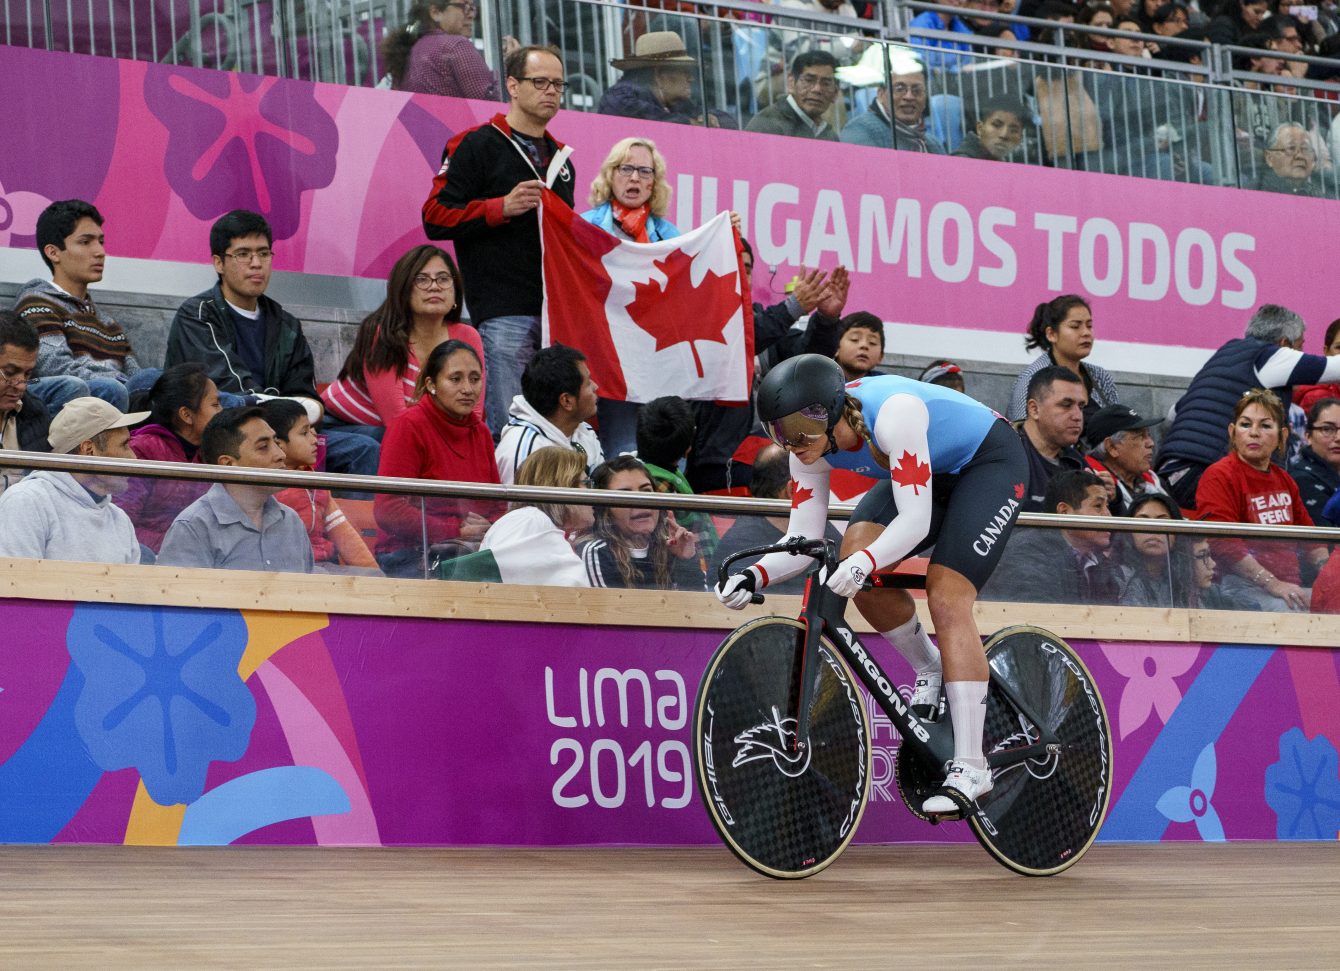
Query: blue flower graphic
x=1185, y=804
x=161, y=693
x=1303, y=788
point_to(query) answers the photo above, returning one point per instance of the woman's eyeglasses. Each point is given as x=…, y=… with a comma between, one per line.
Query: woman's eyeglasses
x=443, y=281
x=628, y=171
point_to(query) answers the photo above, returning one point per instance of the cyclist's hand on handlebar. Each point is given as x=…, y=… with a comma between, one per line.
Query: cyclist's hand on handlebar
x=850, y=575
x=738, y=590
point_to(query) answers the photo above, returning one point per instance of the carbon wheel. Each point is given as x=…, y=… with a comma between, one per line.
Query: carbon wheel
x=1043, y=814
x=785, y=812
x=916, y=781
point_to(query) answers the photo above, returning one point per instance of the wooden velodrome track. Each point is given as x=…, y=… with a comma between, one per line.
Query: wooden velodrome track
x=1245, y=905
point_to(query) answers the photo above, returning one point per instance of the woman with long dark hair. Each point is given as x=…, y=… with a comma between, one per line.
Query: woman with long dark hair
x=1062, y=328
x=641, y=548
x=424, y=296
x=433, y=53
x=1158, y=570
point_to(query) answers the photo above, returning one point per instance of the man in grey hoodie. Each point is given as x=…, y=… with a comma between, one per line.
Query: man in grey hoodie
x=70, y=515
x=82, y=351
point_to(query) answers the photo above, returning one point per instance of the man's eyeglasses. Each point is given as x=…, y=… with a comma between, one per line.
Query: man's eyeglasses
x=1325, y=431
x=16, y=379
x=425, y=282
x=467, y=7
x=902, y=90
x=245, y=256
x=544, y=84
x=1301, y=151
x=814, y=81
x=628, y=171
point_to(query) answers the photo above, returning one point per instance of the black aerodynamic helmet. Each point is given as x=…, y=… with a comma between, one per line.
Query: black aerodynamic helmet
x=801, y=399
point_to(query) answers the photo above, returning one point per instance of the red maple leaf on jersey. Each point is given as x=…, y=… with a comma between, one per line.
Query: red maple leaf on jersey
x=911, y=471
x=799, y=494
x=677, y=312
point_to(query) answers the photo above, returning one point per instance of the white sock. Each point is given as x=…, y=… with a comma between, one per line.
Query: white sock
x=914, y=644
x=967, y=710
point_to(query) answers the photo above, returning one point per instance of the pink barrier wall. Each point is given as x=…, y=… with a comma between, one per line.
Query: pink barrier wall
x=341, y=174
x=189, y=726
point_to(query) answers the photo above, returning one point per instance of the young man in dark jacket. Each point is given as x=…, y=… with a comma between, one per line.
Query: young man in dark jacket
x=484, y=199
x=249, y=344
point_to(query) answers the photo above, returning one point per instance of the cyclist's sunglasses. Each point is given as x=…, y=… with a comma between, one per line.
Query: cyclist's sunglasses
x=799, y=429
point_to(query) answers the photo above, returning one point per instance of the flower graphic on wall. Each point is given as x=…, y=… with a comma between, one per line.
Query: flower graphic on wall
x=1150, y=671
x=162, y=693
x=238, y=141
x=1191, y=804
x=1303, y=788
x=18, y=214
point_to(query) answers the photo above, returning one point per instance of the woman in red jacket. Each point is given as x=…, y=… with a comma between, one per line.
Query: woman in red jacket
x=1246, y=486
x=440, y=437
x=183, y=400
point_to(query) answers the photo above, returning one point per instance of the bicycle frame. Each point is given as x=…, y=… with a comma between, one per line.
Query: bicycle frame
x=823, y=611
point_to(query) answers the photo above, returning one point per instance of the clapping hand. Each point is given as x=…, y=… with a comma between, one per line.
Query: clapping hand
x=809, y=288
x=834, y=298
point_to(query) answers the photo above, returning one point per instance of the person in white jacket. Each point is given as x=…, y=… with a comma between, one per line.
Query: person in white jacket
x=557, y=398
x=530, y=543
x=70, y=515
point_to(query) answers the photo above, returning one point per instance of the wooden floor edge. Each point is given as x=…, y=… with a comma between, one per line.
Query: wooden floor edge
x=433, y=599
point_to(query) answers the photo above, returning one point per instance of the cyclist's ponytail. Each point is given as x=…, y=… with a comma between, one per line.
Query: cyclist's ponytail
x=851, y=411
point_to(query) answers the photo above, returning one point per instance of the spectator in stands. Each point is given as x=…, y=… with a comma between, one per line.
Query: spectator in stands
x=1291, y=163
x=1062, y=328
x=183, y=401
x=944, y=372
x=1206, y=593
x=53, y=515
x=1316, y=468
x=441, y=437
x=1288, y=39
x=1246, y=486
x=1053, y=423
x=530, y=543
x=811, y=89
x=771, y=479
x=235, y=526
x=1269, y=356
x=24, y=423
x=1155, y=573
x=1130, y=44
x=897, y=116
x=665, y=431
x=556, y=403
x=934, y=56
x=1097, y=14
x=1306, y=395
x=639, y=548
x=1066, y=566
x=722, y=429
x=998, y=132
x=484, y=199
x=860, y=344
x=82, y=351
x=1168, y=19
x=1236, y=19
x=433, y=53
x=631, y=198
x=251, y=347
x=375, y=386
x=334, y=539
x=1122, y=448
x=657, y=83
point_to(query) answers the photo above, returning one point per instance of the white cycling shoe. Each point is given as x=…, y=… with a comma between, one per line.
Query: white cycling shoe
x=969, y=785
x=925, y=703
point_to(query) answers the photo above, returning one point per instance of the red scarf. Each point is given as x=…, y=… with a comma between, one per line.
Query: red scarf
x=632, y=221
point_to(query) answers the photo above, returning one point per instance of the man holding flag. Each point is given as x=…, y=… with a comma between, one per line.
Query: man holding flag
x=484, y=199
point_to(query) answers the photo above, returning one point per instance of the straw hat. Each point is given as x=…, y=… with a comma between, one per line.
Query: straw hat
x=657, y=49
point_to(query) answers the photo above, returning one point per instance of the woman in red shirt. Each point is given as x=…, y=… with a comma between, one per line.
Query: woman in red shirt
x=1245, y=486
x=441, y=437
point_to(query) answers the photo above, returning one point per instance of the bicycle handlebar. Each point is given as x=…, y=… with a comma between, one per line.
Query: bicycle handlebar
x=819, y=549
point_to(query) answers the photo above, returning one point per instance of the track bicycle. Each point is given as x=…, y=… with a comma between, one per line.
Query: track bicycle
x=782, y=738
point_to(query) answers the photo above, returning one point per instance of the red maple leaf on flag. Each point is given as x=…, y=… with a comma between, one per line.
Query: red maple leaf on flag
x=799, y=494
x=911, y=471
x=677, y=312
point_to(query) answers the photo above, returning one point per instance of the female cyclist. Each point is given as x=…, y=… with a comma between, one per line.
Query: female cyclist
x=950, y=473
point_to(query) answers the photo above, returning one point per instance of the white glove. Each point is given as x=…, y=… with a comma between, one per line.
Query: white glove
x=850, y=575
x=738, y=590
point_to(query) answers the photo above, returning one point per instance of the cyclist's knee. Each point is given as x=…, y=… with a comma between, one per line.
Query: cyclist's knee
x=948, y=606
x=858, y=536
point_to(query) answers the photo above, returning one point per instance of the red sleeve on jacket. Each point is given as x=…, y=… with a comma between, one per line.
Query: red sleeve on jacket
x=454, y=208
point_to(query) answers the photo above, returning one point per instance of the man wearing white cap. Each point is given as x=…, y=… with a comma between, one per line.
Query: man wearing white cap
x=70, y=515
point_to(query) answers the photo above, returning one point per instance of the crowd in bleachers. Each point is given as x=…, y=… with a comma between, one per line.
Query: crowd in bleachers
x=425, y=395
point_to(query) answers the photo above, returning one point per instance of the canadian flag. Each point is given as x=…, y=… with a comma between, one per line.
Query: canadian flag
x=652, y=319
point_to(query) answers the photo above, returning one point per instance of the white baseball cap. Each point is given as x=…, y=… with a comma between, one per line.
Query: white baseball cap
x=83, y=418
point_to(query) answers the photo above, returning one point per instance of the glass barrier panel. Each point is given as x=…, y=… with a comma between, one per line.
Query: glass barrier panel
x=1283, y=143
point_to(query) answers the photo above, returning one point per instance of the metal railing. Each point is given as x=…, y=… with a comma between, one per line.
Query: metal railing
x=1090, y=108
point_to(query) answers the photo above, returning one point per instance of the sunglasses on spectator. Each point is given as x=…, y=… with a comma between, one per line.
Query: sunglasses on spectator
x=544, y=84
x=628, y=171
x=425, y=282
x=245, y=256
